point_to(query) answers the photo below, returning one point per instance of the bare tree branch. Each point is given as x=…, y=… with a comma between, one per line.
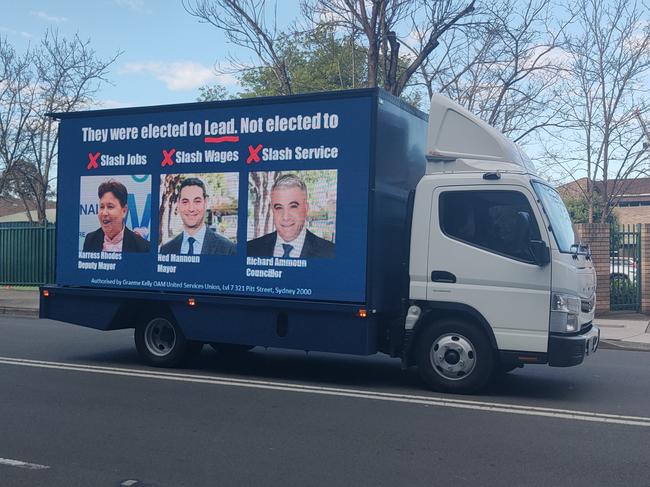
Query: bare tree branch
x=57, y=75
x=609, y=64
x=244, y=22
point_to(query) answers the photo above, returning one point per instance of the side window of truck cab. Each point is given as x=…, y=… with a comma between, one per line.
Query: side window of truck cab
x=497, y=221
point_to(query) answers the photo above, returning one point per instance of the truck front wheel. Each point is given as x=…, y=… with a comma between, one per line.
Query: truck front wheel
x=161, y=343
x=455, y=356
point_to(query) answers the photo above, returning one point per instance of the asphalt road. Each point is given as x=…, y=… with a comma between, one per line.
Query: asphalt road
x=78, y=408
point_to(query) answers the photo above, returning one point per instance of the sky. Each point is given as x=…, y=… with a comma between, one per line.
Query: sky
x=167, y=53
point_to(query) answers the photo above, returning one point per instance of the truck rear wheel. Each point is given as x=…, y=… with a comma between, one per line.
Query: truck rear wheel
x=455, y=356
x=161, y=343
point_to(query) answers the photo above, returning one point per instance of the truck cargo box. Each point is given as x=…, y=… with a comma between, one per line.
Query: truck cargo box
x=359, y=154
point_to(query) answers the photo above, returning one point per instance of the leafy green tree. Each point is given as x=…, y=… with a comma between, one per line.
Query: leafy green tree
x=317, y=60
x=213, y=93
x=383, y=27
x=579, y=209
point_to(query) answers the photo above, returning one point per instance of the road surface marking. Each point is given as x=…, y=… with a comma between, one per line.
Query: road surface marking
x=342, y=392
x=17, y=463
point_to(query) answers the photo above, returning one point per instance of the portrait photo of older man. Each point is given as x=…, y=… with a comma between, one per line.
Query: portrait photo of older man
x=289, y=208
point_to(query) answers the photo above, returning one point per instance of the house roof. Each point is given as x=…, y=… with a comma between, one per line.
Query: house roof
x=13, y=206
x=628, y=190
x=8, y=206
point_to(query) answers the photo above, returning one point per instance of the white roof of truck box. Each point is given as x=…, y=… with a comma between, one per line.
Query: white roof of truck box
x=458, y=140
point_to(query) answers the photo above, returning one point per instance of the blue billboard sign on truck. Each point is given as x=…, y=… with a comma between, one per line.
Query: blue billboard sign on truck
x=267, y=200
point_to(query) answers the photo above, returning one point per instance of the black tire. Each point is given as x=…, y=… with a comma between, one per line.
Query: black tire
x=505, y=368
x=455, y=356
x=231, y=348
x=161, y=343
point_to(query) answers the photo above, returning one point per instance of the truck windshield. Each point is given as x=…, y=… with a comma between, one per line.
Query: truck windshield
x=557, y=214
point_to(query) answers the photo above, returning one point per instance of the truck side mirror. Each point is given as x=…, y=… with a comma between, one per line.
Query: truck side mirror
x=541, y=252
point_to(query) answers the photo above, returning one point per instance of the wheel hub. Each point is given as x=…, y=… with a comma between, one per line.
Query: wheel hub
x=160, y=337
x=453, y=356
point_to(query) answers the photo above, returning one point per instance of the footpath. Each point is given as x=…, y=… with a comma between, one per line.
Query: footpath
x=620, y=331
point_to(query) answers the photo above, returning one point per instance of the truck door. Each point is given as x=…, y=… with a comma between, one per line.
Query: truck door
x=479, y=256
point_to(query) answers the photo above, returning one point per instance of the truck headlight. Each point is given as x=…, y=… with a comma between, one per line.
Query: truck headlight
x=565, y=310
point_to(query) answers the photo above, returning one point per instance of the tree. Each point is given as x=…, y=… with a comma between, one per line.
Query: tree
x=609, y=61
x=379, y=27
x=320, y=61
x=24, y=181
x=385, y=26
x=212, y=93
x=503, y=67
x=17, y=94
x=578, y=208
x=69, y=73
x=259, y=195
x=245, y=24
x=169, y=193
x=58, y=75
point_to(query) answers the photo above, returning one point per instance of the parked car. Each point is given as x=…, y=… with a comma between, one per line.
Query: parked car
x=622, y=269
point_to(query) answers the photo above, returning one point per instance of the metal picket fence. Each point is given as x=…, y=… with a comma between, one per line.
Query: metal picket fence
x=625, y=267
x=27, y=253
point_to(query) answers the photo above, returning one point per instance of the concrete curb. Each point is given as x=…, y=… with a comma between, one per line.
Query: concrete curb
x=22, y=312
x=624, y=345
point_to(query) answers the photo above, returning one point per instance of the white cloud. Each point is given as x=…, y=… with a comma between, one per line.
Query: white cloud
x=47, y=17
x=135, y=5
x=227, y=78
x=12, y=32
x=179, y=75
x=556, y=56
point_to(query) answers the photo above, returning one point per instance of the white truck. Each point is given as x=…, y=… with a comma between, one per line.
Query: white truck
x=493, y=245
x=446, y=250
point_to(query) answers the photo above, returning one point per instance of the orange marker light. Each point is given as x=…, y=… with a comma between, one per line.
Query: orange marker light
x=191, y=302
x=46, y=293
x=362, y=313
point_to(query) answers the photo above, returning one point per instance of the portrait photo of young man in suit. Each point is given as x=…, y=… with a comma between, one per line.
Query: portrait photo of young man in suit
x=196, y=238
x=291, y=238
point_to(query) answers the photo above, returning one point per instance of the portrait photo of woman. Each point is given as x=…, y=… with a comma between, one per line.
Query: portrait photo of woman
x=112, y=234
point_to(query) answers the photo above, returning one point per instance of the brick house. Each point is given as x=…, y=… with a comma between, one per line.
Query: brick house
x=633, y=204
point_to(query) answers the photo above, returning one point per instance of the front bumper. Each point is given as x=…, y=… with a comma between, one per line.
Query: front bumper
x=567, y=351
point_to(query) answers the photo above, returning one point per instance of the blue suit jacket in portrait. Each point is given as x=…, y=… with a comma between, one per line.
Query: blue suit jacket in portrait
x=314, y=246
x=213, y=244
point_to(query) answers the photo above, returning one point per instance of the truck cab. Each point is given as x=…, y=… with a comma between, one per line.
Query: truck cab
x=497, y=278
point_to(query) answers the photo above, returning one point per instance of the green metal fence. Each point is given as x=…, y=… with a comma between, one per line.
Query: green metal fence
x=625, y=267
x=26, y=254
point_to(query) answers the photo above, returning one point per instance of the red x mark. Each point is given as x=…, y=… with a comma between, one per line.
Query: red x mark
x=254, y=154
x=167, y=161
x=93, y=161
